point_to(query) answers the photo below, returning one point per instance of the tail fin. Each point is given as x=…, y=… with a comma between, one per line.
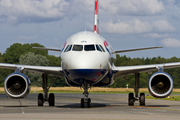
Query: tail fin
x=96, y=18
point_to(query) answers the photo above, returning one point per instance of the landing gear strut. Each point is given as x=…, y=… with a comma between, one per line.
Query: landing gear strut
x=132, y=98
x=41, y=98
x=86, y=100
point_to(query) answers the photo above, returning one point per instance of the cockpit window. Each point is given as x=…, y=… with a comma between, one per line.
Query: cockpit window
x=102, y=48
x=98, y=48
x=89, y=48
x=77, y=48
x=69, y=49
x=66, y=48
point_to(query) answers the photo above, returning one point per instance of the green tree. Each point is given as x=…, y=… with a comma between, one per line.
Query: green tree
x=1, y=72
x=13, y=53
x=55, y=61
x=33, y=59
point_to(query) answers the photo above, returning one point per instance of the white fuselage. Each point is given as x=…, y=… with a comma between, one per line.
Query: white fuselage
x=86, y=58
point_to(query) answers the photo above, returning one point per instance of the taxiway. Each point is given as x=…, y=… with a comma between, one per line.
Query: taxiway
x=104, y=107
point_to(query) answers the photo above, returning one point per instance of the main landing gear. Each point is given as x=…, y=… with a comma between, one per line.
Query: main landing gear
x=41, y=98
x=86, y=100
x=132, y=98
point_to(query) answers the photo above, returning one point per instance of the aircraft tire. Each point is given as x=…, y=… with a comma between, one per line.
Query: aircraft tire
x=89, y=103
x=51, y=99
x=82, y=102
x=142, y=99
x=40, y=99
x=131, y=99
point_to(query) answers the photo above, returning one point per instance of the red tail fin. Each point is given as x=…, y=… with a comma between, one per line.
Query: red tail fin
x=96, y=18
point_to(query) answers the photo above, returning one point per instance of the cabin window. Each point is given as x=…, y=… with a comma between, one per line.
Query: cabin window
x=77, y=48
x=102, y=48
x=98, y=48
x=89, y=48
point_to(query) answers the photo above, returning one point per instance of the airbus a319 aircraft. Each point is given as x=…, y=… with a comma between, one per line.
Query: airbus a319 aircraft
x=86, y=61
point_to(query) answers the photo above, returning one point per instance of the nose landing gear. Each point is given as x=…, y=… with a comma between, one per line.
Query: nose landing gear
x=86, y=100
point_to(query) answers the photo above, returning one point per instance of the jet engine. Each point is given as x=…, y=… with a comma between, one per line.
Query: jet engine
x=160, y=85
x=17, y=85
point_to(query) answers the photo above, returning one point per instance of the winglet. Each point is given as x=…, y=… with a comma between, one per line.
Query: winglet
x=96, y=17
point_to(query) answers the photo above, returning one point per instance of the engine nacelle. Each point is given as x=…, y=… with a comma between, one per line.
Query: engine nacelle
x=17, y=85
x=160, y=85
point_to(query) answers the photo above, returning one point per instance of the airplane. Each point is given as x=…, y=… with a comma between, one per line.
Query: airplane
x=86, y=61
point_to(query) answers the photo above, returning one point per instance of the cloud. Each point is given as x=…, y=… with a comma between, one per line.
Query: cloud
x=136, y=27
x=163, y=26
x=170, y=42
x=128, y=27
x=132, y=7
x=27, y=37
x=155, y=35
x=39, y=11
x=29, y=11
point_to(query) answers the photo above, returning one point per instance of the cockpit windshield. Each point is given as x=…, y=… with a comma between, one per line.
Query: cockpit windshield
x=102, y=48
x=89, y=48
x=68, y=48
x=98, y=48
x=77, y=48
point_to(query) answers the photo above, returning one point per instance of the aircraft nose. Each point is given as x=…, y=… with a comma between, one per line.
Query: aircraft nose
x=89, y=68
x=86, y=62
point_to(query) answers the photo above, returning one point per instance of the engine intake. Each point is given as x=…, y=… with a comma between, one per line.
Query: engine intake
x=160, y=85
x=17, y=85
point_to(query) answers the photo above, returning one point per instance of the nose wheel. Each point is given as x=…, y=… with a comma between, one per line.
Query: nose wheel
x=88, y=102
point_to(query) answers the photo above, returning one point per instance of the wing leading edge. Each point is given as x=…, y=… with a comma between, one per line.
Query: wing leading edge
x=125, y=70
x=40, y=69
x=41, y=48
x=129, y=50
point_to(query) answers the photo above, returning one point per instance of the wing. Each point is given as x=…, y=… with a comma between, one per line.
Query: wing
x=129, y=50
x=40, y=69
x=41, y=48
x=125, y=70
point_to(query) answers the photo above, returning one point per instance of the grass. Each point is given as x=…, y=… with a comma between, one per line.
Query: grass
x=101, y=90
x=78, y=90
x=92, y=90
x=172, y=98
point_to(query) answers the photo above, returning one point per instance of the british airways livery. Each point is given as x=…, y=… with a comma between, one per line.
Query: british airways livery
x=87, y=61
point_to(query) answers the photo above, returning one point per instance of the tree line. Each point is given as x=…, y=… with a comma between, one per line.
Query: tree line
x=24, y=54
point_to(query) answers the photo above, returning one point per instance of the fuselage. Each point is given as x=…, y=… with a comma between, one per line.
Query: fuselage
x=86, y=58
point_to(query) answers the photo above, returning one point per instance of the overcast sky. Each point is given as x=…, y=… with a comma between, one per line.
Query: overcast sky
x=126, y=24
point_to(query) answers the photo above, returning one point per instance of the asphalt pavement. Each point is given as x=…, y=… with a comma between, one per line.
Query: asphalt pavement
x=104, y=107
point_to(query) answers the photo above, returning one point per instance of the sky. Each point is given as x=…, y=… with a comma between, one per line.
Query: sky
x=125, y=24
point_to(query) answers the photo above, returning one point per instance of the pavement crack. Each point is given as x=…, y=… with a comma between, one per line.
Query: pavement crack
x=21, y=107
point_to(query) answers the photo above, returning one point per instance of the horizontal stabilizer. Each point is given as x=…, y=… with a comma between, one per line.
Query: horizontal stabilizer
x=121, y=51
x=41, y=48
